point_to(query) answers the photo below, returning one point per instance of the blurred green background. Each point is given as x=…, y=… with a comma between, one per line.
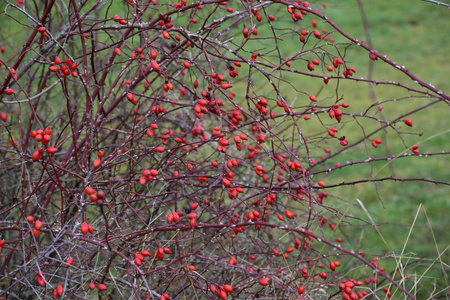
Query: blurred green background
x=413, y=34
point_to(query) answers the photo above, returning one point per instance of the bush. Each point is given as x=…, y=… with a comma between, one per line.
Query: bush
x=201, y=150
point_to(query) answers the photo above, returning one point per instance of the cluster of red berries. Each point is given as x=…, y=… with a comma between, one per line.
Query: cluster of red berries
x=43, y=137
x=66, y=69
x=117, y=19
x=95, y=196
x=148, y=175
x=158, y=109
x=85, y=228
x=37, y=225
x=140, y=256
x=42, y=31
x=59, y=291
x=221, y=292
x=101, y=287
x=261, y=105
x=348, y=294
x=207, y=104
x=40, y=279
x=175, y=217
x=131, y=98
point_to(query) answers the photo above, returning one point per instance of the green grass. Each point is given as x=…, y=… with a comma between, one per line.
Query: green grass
x=411, y=34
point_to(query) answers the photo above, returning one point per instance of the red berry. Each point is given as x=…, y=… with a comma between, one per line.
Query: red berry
x=69, y=262
x=60, y=289
x=228, y=288
x=84, y=228
x=40, y=281
x=51, y=150
x=264, y=281
x=317, y=34
x=154, y=65
x=289, y=214
x=38, y=225
x=97, y=162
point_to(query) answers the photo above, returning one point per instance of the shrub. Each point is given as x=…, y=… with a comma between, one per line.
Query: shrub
x=164, y=150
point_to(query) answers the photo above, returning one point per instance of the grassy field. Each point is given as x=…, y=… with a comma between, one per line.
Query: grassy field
x=411, y=33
